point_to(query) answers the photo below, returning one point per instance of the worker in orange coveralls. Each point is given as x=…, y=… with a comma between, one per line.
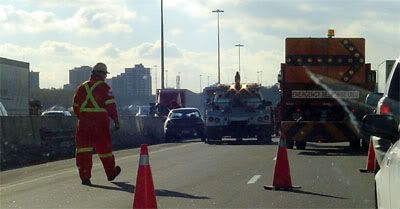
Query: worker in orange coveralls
x=94, y=105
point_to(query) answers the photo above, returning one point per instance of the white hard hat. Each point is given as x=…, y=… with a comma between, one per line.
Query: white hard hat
x=100, y=67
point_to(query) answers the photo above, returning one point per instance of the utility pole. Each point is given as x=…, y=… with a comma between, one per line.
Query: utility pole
x=162, y=46
x=239, y=45
x=219, y=61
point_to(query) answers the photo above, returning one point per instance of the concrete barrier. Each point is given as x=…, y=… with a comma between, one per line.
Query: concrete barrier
x=26, y=140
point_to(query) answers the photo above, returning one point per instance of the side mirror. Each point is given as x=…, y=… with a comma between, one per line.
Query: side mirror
x=384, y=126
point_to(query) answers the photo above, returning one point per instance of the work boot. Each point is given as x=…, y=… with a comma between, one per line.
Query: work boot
x=117, y=172
x=86, y=182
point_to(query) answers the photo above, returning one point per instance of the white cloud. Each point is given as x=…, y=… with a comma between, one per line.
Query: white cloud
x=153, y=50
x=94, y=19
x=200, y=8
x=75, y=3
x=176, y=32
x=261, y=26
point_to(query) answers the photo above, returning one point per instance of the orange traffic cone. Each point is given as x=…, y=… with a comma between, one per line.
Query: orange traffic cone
x=282, y=179
x=371, y=165
x=145, y=196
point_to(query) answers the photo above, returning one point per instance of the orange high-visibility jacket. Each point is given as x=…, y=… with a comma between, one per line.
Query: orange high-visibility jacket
x=94, y=98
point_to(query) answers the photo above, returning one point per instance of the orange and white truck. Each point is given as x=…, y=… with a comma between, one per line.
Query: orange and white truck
x=323, y=82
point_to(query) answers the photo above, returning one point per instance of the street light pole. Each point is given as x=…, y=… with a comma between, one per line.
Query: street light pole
x=155, y=76
x=259, y=77
x=166, y=78
x=162, y=46
x=200, y=84
x=239, y=45
x=219, y=62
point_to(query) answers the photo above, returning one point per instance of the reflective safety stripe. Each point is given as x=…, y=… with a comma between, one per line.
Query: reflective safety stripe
x=110, y=101
x=144, y=160
x=89, y=96
x=110, y=154
x=84, y=149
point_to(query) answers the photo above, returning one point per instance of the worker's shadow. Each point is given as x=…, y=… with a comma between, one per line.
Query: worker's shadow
x=123, y=186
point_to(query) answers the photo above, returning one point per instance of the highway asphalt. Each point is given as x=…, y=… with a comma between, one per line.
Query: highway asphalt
x=196, y=175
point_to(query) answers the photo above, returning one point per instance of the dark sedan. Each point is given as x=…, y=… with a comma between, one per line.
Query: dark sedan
x=184, y=123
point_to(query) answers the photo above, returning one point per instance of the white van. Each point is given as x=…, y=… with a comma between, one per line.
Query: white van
x=3, y=111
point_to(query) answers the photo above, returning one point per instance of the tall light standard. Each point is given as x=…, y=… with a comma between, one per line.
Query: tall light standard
x=219, y=62
x=200, y=84
x=155, y=75
x=239, y=45
x=259, y=77
x=166, y=78
x=162, y=46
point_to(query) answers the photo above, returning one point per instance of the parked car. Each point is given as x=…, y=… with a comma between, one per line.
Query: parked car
x=184, y=123
x=56, y=113
x=387, y=180
x=371, y=101
x=388, y=105
x=143, y=111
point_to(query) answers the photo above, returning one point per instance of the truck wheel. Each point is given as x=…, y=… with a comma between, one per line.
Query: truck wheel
x=354, y=144
x=213, y=140
x=289, y=143
x=264, y=139
x=365, y=144
x=301, y=144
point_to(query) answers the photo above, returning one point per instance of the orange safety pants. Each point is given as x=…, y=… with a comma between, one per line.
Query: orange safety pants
x=93, y=134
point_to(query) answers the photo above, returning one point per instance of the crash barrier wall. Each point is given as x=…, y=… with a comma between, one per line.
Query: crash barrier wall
x=26, y=140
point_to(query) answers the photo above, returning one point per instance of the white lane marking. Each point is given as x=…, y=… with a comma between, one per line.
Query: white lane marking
x=69, y=170
x=254, y=179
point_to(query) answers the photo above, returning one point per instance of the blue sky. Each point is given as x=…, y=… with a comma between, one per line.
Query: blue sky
x=57, y=35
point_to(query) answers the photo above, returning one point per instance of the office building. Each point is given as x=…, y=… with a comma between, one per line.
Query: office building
x=34, y=80
x=14, y=86
x=77, y=76
x=133, y=86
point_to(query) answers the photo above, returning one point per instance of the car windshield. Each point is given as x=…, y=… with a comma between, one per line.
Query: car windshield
x=198, y=104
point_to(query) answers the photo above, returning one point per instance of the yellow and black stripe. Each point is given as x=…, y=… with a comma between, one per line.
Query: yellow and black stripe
x=315, y=131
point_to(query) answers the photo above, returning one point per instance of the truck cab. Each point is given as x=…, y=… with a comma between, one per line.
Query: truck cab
x=238, y=111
